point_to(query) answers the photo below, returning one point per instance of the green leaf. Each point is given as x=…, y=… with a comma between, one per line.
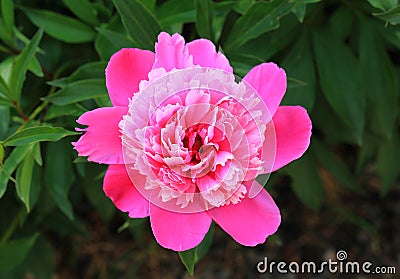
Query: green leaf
x=21, y=66
x=11, y=163
x=4, y=90
x=340, y=81
x=204, y=19
x=4, y=120
x=35, y=67
x=91, y=70
x=387, y=164
x=61, y=27
x=299, y=9
x=7, y=9
x=392, y=16
x=55, y=111
x=104, y=47
x=254, y=51
x=79, y=91
x=342, y=23
x=339, y=170
x=59, y=174
x=382, y=88
x=24, y=180
x=36, y=153
x=260, y=18
x=36, y=134
x=139, y=23
x=1, y=154
x=190, y=257
x=306, y=181
x=176, y=12
x=384, y=5
x=117, y=39
x=299, y=65
x=84, y=10
x=149, y=4
x=14, y=252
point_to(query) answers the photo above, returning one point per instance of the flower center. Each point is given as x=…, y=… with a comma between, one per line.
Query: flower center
x=194, y=140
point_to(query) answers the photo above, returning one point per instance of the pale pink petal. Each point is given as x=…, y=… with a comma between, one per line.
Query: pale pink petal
x=270, y=82
x=205, y=55
x=178, y=231
x=250, y=221
x=120, y=189
x=293, y=132
x=171, y=53
x=124, y=72
x=102, y=139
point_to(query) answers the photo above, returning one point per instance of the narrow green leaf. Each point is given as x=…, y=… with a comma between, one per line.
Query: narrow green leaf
x=61, y=27
x=4, y=120
x=117, y=39
x=92, y=70
x=35, y=67
x=36, y=153
x=24, y=180
x=21, y=66
x=149, y=4
x=339, y=74
x=59, y=174
x=204, y=18
x=299, y=65
x=6, y=67
x=55, y=111
x=176, y=12
x=299, y=9
x=190, y=257
x=1, y=154
x=384, y=5
x=79, y=91
x=306, y=181
x=392, y=16
x=7, y=8
x=139, y=23
x=14, y=252
x=11, y=163
x=342, y=23
x=36, y=134
x=260, y=18
x=387, y=164
x=83, y=9
x=378, y=69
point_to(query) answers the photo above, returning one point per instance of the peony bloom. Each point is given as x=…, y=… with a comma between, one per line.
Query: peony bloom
x=184, y=141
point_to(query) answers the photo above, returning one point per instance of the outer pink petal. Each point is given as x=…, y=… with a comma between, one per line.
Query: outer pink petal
x=250, y=221
x=270, y=82
x=171, y=53
x=293, y=133
x=102, y=140
x=205, y=55
x=120, y=189
x=178, y=231
x=124, y=72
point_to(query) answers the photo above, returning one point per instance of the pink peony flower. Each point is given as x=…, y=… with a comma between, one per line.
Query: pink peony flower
x=185, y=141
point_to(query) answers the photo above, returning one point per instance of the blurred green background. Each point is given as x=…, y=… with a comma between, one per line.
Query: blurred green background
x=342, y=60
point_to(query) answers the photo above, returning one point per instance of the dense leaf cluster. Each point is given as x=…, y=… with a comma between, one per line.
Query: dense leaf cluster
x=341, y=57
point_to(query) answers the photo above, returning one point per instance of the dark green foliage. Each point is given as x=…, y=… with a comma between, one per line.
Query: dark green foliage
x=342, y=60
